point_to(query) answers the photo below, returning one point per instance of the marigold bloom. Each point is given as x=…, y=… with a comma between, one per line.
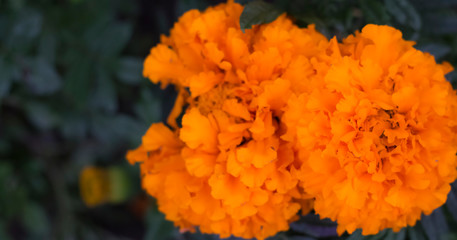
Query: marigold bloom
x=226, y=170
x=376, y=132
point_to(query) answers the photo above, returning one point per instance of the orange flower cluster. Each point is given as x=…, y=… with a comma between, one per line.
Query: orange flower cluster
x=278, y=119
x=376, y=133
x=227, y=170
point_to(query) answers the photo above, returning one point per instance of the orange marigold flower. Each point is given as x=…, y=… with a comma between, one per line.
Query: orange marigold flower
x=375, y=131
x=227, y=170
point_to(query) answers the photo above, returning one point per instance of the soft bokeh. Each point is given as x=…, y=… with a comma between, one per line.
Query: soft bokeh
x=72, y=96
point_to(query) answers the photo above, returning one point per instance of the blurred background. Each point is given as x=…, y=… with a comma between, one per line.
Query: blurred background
x=73, y=101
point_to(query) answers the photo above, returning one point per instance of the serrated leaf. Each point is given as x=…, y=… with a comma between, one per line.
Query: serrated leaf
x=257, y=12
x=130, y=70
x=435, y=225
x=404, y=12
x=43, y=78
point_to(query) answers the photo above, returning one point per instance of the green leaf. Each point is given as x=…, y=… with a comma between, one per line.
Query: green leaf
x=156, y=225
x=107, y=38
x=5, y=145
x=78, y=81
x=404, y=12
x=47, y=47
x=149, y=108
x=127, y=127
x=416, y=233
x=26, y=27
x=357, y=235
x=183, y=6
x=435, y=225
x=130, y=70
x=117, y=128
x=374, y=11
x=5, y=171
x=16, y=4
x=401, y=235
x=4, y=23
x=3, y=232
x=6, y=79
x=257, y=12
x=13, y=195
x=104, y=96
x=35, y=220
x=43, y=79
x=450, y=236
x=160, y=16
x=74, y=126
x=451, y=203
x=35, y=180
x=41, y=115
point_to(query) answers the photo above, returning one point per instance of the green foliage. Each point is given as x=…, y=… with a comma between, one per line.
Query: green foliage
x=257, y=12
x=69, y=78
x=158, y=227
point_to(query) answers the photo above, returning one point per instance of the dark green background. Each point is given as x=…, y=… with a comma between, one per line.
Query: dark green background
x=72, y=95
